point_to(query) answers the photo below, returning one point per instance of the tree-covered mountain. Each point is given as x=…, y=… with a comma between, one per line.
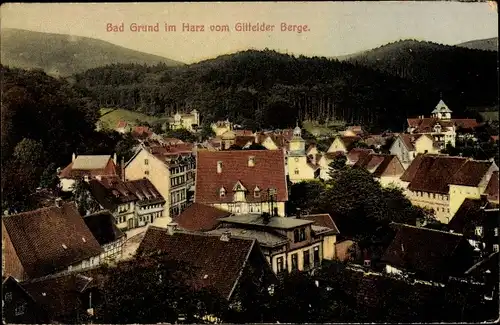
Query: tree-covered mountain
x=270, y=89
x=487, y=44
x=63, y=55
x=462, y=75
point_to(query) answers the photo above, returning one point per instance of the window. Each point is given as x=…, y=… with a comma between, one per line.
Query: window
x=479, y=231
x=316, y=255
x=295, y=261
x=279, y=264
x=146, y=172
x=256, y=193
x=495, y=247
x=307, y=261
x=299, y=235
x=222, y=192
x=146, y=162
x=275, y=211
x=8, y=296
x=20, y=309
x=495, y=231
x=296, y=171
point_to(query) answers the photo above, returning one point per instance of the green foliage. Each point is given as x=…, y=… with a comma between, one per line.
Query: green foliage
x=49, y=178
x=85, y=202
x=206, y=132
x=181, y=134
x=305, y=196
x=337, y=164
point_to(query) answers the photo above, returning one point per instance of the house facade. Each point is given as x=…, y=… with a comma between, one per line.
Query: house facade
x=103, y=226
x=47, y=241
x=221, y=127
x=387, y=169
x=86, y=167
x=242, y=181
x=343, y=144
x=442, y=183
x=189, y=121
x=407, y=146
x=440, y=126
x=172, y=174
x=289, y=244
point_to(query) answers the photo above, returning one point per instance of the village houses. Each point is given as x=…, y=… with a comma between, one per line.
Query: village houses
x=407, y=146
x=189, y=121
x=221, y=127
x=171, y=170
x=387, y=169
x=440, y=126
x=85, y=167
x=442, y=183
x=47, y=241
x=289, y=244
x=242, y=181
x=133, y=203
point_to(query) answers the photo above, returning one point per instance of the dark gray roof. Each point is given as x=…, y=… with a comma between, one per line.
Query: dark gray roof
x=274, y=222
x=264, y=238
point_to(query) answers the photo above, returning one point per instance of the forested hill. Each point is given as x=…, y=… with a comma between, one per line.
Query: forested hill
x=274, y=89
x=487, y=44
x=461, y=74
x=63, y=55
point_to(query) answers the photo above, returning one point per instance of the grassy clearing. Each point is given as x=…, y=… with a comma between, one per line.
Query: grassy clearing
x=323, y=129
x=110, y=117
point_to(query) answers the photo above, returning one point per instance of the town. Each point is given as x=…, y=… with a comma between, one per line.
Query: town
x=252, y=215
x=335, y=162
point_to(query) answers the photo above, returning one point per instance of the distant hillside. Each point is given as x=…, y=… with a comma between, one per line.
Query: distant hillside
x=63, y=55
x=487, y=44
x=462, y=75
x=110, y=117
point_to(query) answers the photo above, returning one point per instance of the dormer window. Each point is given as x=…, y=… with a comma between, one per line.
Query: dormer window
x=222, y=192
x=437, y=128
x=251, y=161
x=256, y=192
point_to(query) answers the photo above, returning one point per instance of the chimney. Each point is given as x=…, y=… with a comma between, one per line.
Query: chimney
x=115, y=159
x=226, y=236
x=219, y=167
x=298, y=213
x=172, y=228
x=123, y=169
x=73, y=157
x=98, y=177
x=58, y=202
x=251, y=161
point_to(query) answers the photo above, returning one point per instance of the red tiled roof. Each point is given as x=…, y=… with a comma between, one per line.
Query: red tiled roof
x=471, y=173
x=200, y=217
x=492, y=189
x=333, y=155
x=141, y=132
x=411, y=171
x=216, y=263
x=465, y=123
x=162, y=151
x=323, y=220
x=408, y=140
x=376, y=164
x=427, y=124
x=69, y=172
x=356, y=154
x=428, y=252
x=472, y=213
x=242, y=141
x=268, y=172
x=38, y=237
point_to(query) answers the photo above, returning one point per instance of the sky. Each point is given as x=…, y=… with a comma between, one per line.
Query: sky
x=333, y=28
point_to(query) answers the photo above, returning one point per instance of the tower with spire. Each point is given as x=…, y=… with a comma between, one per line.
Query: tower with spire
x=441, y=111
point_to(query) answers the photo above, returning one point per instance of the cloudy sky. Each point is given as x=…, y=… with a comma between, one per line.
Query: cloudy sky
x=335, y=28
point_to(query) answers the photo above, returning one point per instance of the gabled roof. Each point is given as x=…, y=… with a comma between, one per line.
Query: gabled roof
x=38, y=237
x=492, y=189
x=434, y=173
x=471, y=173
x=112, y=191
x=322, y=220
x=356, y=154
x=259, y=220
x=85, y=165
x=472, y=213
x=441, y=107
x=348, y=142
x=200, y=217
x=268, y=172
x=59, y=295
x=430, y=253
x=103, y=227
x=426, y=125
x=244, y=133
x=216, y=263
x=376, y=164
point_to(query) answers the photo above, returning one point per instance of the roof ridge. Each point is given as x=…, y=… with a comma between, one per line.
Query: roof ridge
x=36, y=210
x=429, y=229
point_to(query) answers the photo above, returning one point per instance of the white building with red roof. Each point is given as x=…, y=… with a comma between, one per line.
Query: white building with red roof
x=242, y=181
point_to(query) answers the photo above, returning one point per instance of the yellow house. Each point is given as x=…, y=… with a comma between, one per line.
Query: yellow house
x=221, y=127
x=288, y=243
x=185, y=121
x=171, y=175
x=442, y=183
x=300, y=166
x=343, y=144
x=242, y=181
x=424, y=143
